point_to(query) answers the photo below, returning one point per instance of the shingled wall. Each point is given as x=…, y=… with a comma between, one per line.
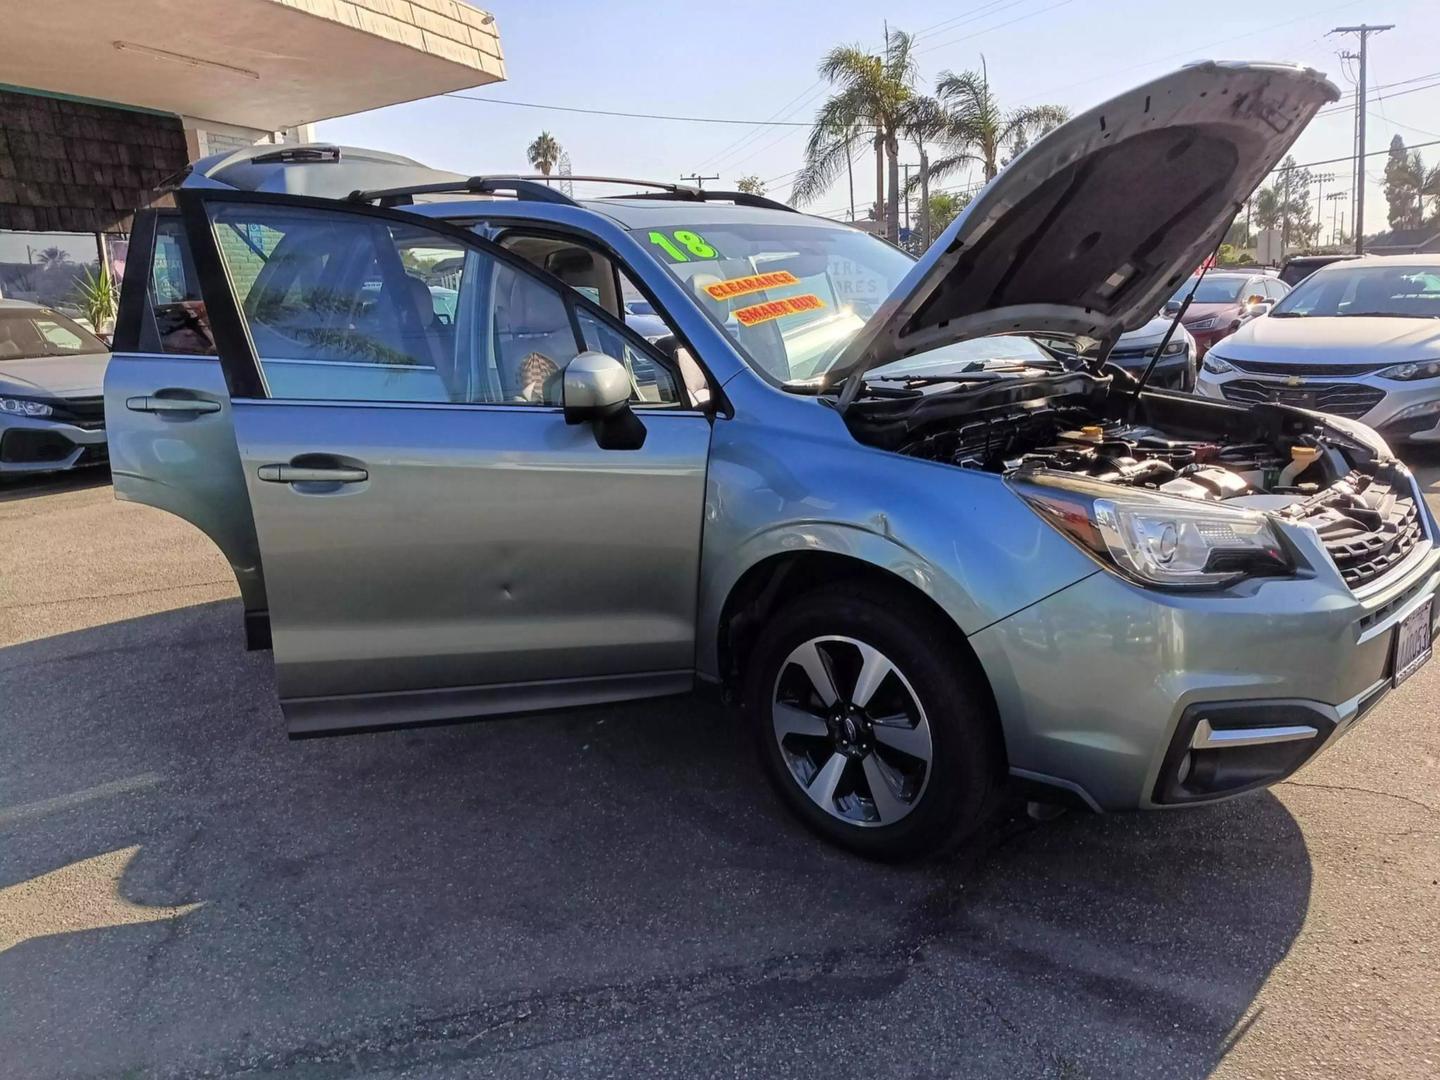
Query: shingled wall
x=72, y=166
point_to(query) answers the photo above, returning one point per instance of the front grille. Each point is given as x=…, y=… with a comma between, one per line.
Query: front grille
x=1352, y=400
x=87, y=413
x=1322, y=371
x=1367, y=526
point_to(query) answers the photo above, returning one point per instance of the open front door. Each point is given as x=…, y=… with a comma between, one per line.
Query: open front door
x=438, y=542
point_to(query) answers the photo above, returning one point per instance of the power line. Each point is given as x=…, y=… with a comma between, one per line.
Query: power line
x=1192, y=51
x=997, y=26
x=630, y=115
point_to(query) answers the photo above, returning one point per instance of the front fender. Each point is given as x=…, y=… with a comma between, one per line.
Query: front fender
x=805, y=485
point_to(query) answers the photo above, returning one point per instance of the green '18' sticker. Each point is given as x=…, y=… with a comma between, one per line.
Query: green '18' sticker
x=683, y=245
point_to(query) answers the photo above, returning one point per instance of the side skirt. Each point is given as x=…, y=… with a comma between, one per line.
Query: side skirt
x=350, y=714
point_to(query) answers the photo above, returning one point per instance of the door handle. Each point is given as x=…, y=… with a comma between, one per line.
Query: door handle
x=311, y=474
x=153, y=404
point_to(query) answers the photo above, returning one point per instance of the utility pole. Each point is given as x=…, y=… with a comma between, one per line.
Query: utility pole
x=1285, y=214
x=1320, y=180
x=699, y=180
x=1364, y=30
x=906, y=189
x=1335, y=197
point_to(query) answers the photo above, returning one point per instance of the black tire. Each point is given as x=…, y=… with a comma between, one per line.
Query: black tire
x=965, y=777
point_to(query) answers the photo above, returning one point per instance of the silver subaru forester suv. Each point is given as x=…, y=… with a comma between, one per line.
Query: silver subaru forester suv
x=903, y=512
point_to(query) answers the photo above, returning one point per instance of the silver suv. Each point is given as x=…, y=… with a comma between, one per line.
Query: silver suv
x=903, y=512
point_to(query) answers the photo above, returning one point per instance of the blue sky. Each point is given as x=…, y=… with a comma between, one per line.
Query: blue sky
x=757, y=61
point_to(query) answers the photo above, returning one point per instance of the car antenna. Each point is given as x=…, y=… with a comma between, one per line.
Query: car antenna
x=1170, y=332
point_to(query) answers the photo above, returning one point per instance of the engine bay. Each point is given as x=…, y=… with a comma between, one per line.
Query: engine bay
x=1130, y=454
x=1266, y=457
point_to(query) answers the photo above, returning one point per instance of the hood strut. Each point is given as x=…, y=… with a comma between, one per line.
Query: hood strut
x=1169, y=333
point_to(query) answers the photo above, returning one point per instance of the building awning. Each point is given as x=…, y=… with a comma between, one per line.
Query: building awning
x=264, y=64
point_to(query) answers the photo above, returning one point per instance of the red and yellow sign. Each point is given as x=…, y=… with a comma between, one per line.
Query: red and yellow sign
x=775, y=309
x=743, y=286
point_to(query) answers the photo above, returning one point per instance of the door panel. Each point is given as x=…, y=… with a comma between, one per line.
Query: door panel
x=177, y=459
x=183, y=462
x=485, y=545
x=438, y=541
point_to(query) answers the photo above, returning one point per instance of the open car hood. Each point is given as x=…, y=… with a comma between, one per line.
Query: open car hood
x=1093, y=227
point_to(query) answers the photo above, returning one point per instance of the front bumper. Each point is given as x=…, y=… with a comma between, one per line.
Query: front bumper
x=1399, y=411
x=1172, y=373
x=1098, y=684
x=1205, y=338
x=36, y=445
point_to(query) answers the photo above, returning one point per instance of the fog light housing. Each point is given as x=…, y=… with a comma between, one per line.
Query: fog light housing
x=1224, y=748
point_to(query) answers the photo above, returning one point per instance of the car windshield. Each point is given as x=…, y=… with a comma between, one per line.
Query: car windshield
x=790, y=296
x=1213, y=290
x=36, y=332
x=1400, y=292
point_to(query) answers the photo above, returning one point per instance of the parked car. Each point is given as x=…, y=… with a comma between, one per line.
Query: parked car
x=52, y=415
x=1176, y=369
x=1298, y=267
x=918, y=581
x=1224, y=302
x=1359, y=338
x=641, y=316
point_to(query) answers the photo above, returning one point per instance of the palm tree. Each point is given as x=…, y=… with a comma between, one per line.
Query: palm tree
x=924, y=122
x=544, y=153
x=979, y=130
x=1430, y=189
x=870, y=101
x=52, y=257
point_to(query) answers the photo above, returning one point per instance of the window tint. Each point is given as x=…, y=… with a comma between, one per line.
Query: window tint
x=175, y=304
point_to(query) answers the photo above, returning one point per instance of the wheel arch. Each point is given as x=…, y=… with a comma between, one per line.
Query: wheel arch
x=776, y=579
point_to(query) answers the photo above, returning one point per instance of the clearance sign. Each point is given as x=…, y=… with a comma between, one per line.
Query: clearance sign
x=775, y=309
x=743, y=286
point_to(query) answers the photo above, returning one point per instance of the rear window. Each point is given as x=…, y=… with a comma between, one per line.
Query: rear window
x=38, y=332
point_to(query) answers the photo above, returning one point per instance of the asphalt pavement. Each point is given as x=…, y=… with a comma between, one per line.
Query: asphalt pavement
x=615, y=893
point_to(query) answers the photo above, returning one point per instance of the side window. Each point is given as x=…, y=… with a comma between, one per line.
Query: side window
x=174, y=303
x=650, y=383
x=345, y=306
x=534, y=339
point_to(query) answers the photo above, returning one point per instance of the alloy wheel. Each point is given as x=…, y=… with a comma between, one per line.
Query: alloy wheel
x=851, y=730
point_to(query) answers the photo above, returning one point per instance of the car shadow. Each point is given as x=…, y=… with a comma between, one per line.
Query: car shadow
x=14, y=488
x=613, y=885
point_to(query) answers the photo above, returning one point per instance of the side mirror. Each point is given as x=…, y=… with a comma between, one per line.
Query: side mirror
x=1254, y=309
x=1253, y=299
x=596, y=388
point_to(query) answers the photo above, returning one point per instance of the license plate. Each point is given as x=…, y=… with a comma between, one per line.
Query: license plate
x=1412, y=643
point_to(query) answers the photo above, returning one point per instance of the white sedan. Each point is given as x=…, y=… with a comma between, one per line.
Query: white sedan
x=1359, y=339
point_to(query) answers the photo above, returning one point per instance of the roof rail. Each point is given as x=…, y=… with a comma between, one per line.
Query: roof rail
x=540, y=188
x=522, y=187
x=739, y=198
x=537, y=188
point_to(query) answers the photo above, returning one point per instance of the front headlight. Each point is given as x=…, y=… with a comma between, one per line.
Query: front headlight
x=1155, y=539
x=1215, y=365
x=1421, y=369
x=24, y=407
x=1204, y=324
